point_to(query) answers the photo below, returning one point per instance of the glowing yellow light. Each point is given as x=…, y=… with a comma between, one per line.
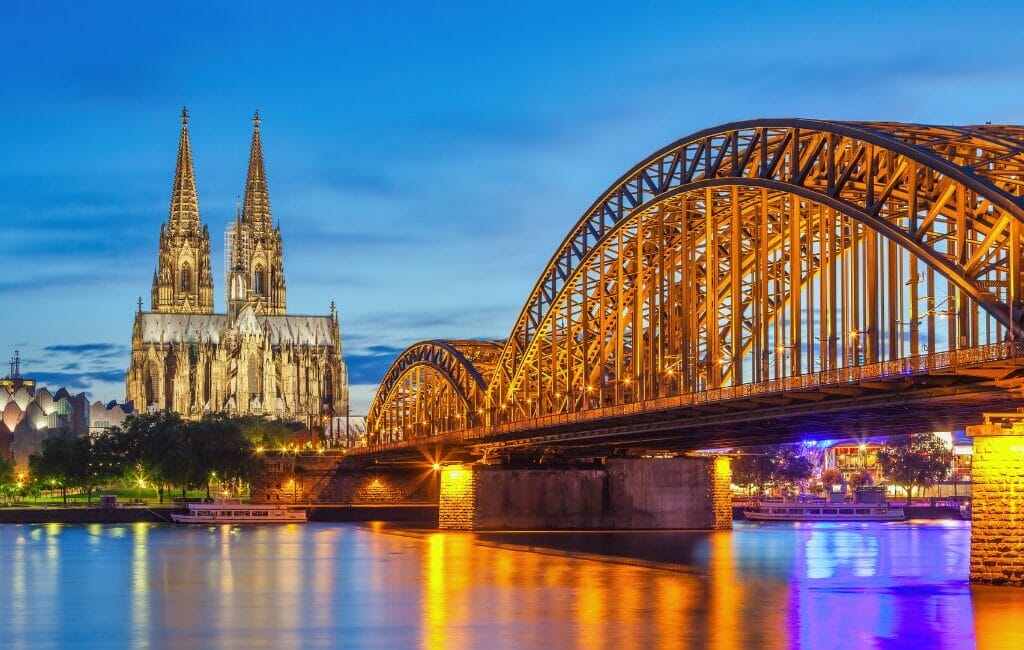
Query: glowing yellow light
x=863, y=447
x=854, y=334
x=436, y=466
x=259, y=450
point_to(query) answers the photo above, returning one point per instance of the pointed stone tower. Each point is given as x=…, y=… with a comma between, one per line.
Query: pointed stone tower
x=182, y=282
x=256, y=272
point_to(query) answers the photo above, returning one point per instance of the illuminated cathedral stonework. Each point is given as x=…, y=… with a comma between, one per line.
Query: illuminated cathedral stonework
x=253, y=359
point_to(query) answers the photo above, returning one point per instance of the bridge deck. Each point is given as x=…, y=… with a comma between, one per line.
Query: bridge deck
x=939, y=391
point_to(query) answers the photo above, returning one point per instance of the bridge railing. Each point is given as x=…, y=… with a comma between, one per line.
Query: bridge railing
x=906, y=367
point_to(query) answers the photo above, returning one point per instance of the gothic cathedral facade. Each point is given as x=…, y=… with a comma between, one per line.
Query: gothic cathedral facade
x=253, y=359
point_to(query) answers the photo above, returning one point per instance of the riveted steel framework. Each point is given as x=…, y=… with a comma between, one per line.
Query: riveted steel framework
x=434, y=387
x=760, y=251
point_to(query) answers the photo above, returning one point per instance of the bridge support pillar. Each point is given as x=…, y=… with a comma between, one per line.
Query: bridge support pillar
x=625, y=494
x=997, y=526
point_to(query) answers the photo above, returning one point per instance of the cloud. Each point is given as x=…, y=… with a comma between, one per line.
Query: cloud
x=370, y=366
x=79, y=381
x=89, y=349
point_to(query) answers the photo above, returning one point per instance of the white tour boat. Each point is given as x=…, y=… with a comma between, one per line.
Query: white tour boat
x=233, y=511
x=804, y=511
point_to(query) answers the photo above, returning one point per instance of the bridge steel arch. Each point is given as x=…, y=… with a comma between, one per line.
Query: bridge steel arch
x=947, y=199
x=765, y=250
x=433, y=387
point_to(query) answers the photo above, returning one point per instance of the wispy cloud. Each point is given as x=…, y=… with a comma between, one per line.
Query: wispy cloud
x=89, y=349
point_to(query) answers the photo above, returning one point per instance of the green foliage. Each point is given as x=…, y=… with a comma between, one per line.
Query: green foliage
x=920, y=459
x=7, y=471
x=762, y=466
x=269, y=434
x=160, y=449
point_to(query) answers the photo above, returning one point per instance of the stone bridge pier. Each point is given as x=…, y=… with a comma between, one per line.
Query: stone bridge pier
x=997, y=518
x=624, y=494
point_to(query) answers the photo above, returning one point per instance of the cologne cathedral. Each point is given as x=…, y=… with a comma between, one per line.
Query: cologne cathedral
x=253, y=359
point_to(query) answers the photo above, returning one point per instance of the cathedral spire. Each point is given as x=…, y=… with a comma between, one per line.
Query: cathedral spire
x=256, y=207
x=182, y=282
x=184, y=202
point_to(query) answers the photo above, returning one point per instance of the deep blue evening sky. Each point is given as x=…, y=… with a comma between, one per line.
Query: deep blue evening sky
x=424, y=159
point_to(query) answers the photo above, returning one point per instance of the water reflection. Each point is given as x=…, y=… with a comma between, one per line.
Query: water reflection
x=321, y=585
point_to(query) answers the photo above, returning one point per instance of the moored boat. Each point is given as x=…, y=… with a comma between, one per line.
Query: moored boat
x=798, y=511
x=233, y=511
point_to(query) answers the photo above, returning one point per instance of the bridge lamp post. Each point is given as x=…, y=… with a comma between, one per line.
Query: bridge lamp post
x=857, y=347
x=783, y=354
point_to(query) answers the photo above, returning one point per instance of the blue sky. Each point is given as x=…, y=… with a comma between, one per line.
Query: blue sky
x=424, y=159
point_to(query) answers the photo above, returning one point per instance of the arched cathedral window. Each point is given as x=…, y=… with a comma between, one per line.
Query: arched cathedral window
x=186, y=278
x=259, y=281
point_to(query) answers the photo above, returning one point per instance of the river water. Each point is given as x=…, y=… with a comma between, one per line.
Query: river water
x=349, y=585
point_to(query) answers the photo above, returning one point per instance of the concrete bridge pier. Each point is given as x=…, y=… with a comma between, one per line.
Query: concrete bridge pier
x=997, y=477
x=625, y=494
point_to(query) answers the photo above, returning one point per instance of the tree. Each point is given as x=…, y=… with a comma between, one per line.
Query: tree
x=917, y=460
x=758, y=467
x=266, y=433
x=7, y=470
x=831, y=477
x=8, y=477
x=57, y=462
x=861, y=479
x=154, y=446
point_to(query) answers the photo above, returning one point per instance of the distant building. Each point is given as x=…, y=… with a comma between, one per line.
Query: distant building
x=346, y=431
x=103, y=416
x=253, y=358
x=857, y=455
x=29, y=414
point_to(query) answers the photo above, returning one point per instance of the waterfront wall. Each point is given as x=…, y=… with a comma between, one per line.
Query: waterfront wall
x=316, y=478
x=29, y=515
x=626, y=494
x=997, y=526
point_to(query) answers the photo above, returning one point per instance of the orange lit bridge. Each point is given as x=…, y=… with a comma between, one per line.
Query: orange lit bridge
x=757, y=282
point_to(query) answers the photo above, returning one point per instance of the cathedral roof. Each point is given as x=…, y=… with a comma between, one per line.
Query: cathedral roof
x=193, y=328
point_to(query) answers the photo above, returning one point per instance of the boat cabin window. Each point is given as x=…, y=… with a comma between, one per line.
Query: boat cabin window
x=863, y=511
x=225, y=513
x=829, y=511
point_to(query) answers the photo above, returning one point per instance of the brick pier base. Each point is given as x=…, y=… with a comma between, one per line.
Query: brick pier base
x=997, y=526
x=626, y=494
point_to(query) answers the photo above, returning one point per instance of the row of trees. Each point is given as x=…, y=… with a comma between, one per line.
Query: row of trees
x=908, y=462
x=161, y=449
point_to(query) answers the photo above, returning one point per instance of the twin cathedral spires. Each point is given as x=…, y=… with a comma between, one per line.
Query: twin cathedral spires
x=183, y=282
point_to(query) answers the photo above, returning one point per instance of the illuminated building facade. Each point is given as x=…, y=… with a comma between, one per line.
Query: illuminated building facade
x=255, y=358
x=29, y=415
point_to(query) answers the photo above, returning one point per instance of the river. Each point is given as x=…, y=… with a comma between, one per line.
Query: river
x=350, y=585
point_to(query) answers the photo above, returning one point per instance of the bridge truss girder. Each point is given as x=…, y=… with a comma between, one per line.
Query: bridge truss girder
x=750, y=253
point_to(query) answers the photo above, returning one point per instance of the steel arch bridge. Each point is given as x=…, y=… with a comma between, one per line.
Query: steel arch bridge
x=809, y=275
